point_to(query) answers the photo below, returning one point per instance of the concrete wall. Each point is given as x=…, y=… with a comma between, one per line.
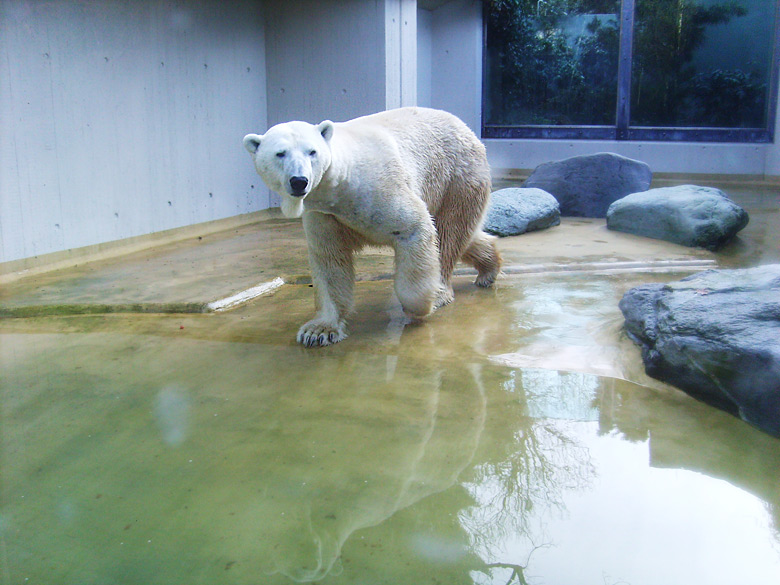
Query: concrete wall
x=334, y=69
x=456, y=60
x=125, y=118
x=772, y=155
x=359, y=59
x=400, y=53
x=663, y=157
x=424, y=63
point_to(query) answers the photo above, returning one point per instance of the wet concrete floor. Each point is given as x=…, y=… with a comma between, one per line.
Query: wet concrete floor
x=512, y=438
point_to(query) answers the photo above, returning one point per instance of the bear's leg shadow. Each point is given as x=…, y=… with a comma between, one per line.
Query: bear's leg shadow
x=331, y=246
x=417, y=271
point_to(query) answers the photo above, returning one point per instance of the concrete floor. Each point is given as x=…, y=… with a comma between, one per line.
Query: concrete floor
x=149, y=439
x=189, y=275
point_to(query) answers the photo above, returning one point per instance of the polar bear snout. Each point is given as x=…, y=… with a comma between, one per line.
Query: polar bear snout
x=298, y=186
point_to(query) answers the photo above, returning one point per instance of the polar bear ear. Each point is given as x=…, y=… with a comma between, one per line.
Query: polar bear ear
x=326, y=129
x=252, y=142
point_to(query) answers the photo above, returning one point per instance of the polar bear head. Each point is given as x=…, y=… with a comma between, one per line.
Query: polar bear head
x=292, y=158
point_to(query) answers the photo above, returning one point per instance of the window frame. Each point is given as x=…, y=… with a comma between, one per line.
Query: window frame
x=622, y=130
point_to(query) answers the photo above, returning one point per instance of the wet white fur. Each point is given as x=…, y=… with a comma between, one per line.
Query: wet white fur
x=415, y=179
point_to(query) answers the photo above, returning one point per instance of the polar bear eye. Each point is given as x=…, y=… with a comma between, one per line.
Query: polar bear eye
x=280, y=154
x=312, y=153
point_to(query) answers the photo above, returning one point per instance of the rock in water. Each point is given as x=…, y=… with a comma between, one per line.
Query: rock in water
x=515, y=211
x=586, y=186
x=687, y=214
x=715, y=335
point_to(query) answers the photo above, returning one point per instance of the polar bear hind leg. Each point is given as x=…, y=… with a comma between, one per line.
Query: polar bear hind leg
x=483, y=255
x=459, y=225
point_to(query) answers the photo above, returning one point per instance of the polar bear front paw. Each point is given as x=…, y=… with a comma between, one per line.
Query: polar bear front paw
x=445, y=297
x=318, y=333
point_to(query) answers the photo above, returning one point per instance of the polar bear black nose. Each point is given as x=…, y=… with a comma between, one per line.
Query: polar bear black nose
x=298, y=184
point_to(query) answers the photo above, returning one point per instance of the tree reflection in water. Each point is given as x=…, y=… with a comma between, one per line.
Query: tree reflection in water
x=525, y=480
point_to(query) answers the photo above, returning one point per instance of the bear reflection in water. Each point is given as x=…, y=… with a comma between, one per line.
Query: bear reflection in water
x=391, y=434
x=261, y=459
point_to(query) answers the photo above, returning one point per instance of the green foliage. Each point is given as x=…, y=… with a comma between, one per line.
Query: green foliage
x=726, y=98
x=540, y=72
x=666, y=36
x=554, y=62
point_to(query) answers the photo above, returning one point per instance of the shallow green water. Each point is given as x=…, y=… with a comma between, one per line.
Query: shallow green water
x=148, y=459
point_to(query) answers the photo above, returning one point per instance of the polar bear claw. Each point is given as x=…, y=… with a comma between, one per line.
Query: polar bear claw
x=317, y=333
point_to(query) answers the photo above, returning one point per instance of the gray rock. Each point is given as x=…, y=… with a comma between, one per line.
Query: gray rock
x=586, y=186
x=689, y=215
x=715, y=335
x=515, y=211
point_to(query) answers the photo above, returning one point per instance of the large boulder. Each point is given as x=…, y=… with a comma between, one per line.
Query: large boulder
x=515, y=211
x=687, y=214
x=715, y=335
x=586, y=186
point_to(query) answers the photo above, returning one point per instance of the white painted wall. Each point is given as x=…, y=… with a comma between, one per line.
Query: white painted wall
x=125, y=118
x=424, y=41
x=400, y=53
x=359, y=58
x=325, y=59
x=663, y=157
x=772, y=159
x=339, y=59
x=456, y=60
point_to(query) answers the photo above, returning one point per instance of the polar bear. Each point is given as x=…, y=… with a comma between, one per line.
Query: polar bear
x=415, y=179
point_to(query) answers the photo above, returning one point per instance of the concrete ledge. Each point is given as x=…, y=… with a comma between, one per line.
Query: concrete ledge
x=24, y=267
x=243, y=297
x=513, y=176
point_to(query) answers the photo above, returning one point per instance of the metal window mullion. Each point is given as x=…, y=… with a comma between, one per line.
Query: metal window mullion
x=623, y=114
x=774, y=75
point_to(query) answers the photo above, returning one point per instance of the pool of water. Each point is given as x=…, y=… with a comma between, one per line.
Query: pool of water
x=501, y=442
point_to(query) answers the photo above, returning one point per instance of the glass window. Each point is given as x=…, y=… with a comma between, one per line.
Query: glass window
x=636, y=69
x=551, y=63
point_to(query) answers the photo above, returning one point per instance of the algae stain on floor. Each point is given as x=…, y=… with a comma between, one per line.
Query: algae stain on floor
x=141, y=458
